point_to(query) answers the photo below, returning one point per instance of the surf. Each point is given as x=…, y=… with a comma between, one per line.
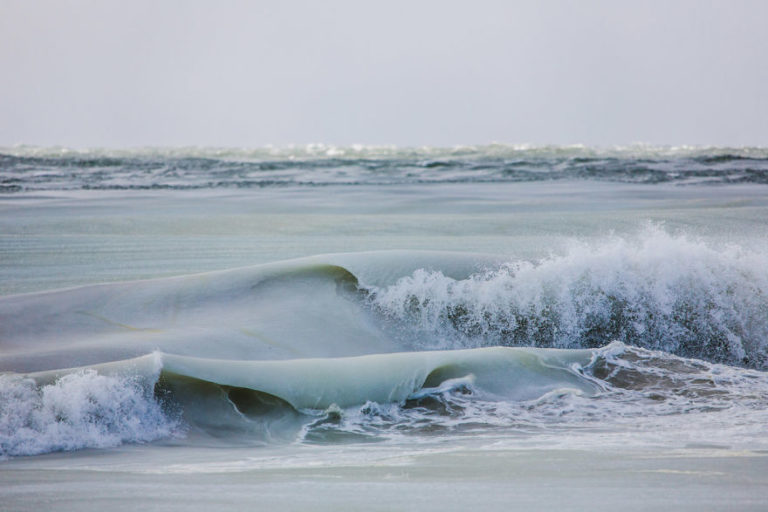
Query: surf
x=374, y=346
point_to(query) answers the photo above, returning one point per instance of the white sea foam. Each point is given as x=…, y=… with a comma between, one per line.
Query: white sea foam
x=80, y=410
x=654, y=290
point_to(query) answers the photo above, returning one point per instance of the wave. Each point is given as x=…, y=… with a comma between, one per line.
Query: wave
x=164, y=395
x=310, y=307
x=361, y=399
x=36, y=169
x=283, y=310
x=653, y=290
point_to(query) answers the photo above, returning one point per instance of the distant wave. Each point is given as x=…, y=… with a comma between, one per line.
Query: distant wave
x=27, y=168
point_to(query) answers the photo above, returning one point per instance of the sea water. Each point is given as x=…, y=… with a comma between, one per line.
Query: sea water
x=507, y=327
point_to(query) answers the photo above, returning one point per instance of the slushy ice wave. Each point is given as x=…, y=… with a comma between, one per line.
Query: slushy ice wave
x=391, y=345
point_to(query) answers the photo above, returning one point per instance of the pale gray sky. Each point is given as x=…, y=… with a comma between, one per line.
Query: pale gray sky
x=232, y=73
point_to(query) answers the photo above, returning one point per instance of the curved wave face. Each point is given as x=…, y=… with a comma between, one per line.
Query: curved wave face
x=375, y=347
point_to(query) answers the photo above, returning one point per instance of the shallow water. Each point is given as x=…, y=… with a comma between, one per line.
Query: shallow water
x=431, y=331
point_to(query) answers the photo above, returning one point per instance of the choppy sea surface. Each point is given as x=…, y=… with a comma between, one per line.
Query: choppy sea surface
x=378, y=328
x=32, y=168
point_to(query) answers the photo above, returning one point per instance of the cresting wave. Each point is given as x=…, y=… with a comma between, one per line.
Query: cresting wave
x=162, y=395
x=34, y=169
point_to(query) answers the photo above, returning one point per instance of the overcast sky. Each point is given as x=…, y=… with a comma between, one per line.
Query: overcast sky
x=227, y=73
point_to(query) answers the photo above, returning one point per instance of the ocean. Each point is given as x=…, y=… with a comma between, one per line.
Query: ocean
x=380, y=328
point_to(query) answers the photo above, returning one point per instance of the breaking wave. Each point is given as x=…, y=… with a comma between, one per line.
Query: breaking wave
x=378, y=398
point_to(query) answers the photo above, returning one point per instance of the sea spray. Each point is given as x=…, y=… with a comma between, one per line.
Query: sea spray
x=80, y=410
x=655, y=290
